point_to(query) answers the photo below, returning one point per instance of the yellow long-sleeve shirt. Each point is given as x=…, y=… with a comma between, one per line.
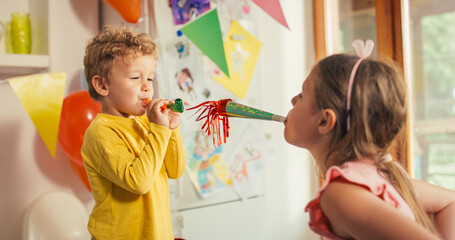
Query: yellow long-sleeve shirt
x=128, y=163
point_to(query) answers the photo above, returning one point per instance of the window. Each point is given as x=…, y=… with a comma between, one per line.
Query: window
x=338, y=22
x=420, y=34
x=433, y=67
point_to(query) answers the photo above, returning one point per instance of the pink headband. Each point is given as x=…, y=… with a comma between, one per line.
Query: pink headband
x=363, y=50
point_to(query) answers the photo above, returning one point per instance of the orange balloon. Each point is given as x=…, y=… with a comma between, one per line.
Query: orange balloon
x=78, y=111
x=130, y=10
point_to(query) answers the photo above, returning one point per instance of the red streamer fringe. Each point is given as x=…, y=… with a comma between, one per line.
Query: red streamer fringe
x=216, y=118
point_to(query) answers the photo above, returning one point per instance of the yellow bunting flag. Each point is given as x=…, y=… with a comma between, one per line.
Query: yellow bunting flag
x=242, y=53
x=42, y=97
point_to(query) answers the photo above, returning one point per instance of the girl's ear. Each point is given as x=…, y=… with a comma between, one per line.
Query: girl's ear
x=327, y=121
x=100, y=85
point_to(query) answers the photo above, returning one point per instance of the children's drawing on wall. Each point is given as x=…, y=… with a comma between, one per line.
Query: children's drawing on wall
x=189, y=83
x=234, y=9
x=185, y=82
x=206, y=93
x=242, y=162
x=183, y=65
x=206, y=166
x=238, y=58
x=186, y=10
x=211, y=69
x=247, y=161
x=182, y=45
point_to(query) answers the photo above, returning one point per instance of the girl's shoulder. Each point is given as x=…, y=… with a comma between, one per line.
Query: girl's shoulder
x=354, y=176
x=363, y=173
x=360, y=172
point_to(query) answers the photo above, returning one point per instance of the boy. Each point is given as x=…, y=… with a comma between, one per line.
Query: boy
x=133, y=146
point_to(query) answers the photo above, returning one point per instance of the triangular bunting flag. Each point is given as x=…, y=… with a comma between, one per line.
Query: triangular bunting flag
x=42, y=97
x=241, y=56
x=205, y=33
x=273, y=8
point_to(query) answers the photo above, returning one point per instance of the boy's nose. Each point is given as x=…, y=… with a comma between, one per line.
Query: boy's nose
x=146, y=87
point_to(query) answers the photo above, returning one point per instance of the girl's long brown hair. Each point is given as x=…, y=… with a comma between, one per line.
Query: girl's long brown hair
x=378, y=115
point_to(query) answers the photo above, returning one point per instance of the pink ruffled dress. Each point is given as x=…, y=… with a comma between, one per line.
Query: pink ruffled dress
x=363, y=173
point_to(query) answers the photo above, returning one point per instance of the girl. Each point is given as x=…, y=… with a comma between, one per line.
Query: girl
x=348, y=114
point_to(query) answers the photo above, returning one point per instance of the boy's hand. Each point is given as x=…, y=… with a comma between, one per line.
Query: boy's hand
x=162, y=116
x=174, y=118
x=155, y=114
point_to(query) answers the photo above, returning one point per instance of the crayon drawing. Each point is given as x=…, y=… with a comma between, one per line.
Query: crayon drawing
x=206, y=167
x=247, y=160
x=186, y=10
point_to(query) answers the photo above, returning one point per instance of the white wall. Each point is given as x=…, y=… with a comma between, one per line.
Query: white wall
x=286, y=58
x=28, y=170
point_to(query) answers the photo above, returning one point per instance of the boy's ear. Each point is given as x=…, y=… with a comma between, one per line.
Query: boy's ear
x=327, y=121
x=100, y=85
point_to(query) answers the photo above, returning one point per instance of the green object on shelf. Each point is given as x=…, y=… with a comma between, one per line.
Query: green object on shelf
x=7, y=33
x=177, y=106
x=21, y=35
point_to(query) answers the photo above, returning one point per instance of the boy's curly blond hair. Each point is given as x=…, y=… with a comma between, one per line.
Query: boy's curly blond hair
x=112, y=42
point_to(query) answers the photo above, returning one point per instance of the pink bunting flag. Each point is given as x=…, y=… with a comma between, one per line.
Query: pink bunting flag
x=273, y=8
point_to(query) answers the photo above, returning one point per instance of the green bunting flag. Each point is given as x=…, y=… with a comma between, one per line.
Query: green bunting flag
x=205, y=33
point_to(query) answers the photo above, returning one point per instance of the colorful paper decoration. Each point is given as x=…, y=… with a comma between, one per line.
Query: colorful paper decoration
x=205, y=33
x=42, y=97
x=184, y=10
x=216, y=115
x=242, y=52
x=273, y=8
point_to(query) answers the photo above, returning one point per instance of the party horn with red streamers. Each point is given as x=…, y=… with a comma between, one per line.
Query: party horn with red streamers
x=176, y=106
x=216, y=115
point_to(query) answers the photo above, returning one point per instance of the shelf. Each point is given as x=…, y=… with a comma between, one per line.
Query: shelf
x=22, y=64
